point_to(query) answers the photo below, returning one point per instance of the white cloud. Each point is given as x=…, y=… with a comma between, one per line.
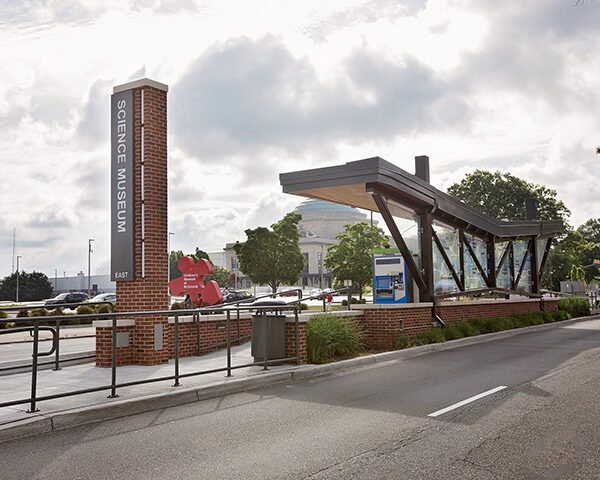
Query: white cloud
x=258, y=88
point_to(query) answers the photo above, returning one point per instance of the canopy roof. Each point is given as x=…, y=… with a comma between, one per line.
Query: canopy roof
x=407, y=195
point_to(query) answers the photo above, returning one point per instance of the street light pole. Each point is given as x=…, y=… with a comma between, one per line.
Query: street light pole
x=89, y=263
x=169, y=260
x=17, y=292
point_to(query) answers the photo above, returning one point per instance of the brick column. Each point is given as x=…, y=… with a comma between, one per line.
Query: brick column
x=151, y=339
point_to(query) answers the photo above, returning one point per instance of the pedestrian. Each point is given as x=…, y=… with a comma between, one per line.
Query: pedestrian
x=329, y=300
x=187, y=302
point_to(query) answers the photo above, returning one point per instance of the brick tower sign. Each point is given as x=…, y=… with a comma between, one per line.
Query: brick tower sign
x=139, y=257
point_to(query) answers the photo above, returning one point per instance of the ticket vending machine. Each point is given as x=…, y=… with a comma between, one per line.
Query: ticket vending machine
x=390, y=281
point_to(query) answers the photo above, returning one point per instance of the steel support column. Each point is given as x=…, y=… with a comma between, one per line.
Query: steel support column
x=426, y=247
x=535, y=274
x=491, y=263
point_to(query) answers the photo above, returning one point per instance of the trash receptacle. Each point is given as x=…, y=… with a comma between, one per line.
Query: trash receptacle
x=268, y=331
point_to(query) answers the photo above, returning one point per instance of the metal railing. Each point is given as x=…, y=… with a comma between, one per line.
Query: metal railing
x=56, y=327
x=113, y=317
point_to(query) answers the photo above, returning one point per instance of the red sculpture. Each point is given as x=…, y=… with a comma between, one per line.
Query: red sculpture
x=191, y=282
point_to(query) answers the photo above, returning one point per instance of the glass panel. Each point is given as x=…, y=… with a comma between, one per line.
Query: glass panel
x=499, y=250
x=450, y=241
x=442, y=278
x=520, y=247
x=480, y=249
x=525, y=281
x=473, y=279
x=503, y=277
x=541, y=246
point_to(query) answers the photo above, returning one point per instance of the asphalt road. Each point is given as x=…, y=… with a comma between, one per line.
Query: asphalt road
x=369, y=423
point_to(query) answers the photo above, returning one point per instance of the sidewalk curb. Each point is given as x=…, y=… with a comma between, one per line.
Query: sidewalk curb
x=121, y=408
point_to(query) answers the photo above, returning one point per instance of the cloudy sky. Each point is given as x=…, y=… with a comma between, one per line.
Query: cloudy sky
x=263, y=87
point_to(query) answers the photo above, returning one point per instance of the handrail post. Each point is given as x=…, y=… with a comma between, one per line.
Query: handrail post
x=238, y=328
x=56, y=359
x=265, y=336
x=296, y=321
x=113, y=362
x=34, y=366
x=228, y=343
x=176, y=384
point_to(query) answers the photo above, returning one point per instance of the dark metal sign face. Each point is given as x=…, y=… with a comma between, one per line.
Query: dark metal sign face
x=122, y=191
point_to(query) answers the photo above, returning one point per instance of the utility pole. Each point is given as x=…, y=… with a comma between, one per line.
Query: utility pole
x=17, y=292
x=13, y=255
x=89, y=263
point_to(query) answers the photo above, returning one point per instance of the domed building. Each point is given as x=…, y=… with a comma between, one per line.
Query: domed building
x=321, y=222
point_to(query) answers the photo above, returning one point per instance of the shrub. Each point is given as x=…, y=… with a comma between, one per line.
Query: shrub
x=3, y=314
x=405, y=341
x=452, y=333
x=177, y=306
x=433, y=335
x=575, y=306
x=344, y=303
x=38, y=312
x=85, y=310
x=303, y=306
x=22, y=313
x=103, y=308
x=559, y=315
x=328, y=336
x=466, y=329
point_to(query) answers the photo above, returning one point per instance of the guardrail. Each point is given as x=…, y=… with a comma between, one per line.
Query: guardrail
x=114, y=385
x=56, y=326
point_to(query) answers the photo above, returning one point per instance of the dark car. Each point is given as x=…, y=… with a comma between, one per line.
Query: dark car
x=234, y=296
x=63, y=298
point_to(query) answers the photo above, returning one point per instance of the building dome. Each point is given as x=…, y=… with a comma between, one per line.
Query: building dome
x=322, y=206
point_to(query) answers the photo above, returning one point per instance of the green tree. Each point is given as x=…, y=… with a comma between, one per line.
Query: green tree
x=350, y=258
x=502, y=196
x=175, y=255
x=221, y=275
x=577, y=248
x=32, y=286
x=272, y=257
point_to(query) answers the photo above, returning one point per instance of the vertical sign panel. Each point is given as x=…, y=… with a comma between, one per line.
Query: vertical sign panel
x=122, y=190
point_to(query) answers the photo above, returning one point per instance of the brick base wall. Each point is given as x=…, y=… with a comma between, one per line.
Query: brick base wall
x=290, y=341
x=213, y=330
x=104, y=346
x=383, y=324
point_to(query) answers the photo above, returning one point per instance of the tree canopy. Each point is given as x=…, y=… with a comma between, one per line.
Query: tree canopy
x=174, y=257
x=32, y=286
x=272, y=257
x=350, y=258
x=579, y=248
x=502, y=196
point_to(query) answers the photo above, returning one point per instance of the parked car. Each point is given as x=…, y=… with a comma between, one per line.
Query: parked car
x=289, y=293
x=105, y=297
x=72, y=297
x=234, y=296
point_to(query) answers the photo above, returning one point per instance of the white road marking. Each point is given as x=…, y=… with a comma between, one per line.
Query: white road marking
x=468, y=400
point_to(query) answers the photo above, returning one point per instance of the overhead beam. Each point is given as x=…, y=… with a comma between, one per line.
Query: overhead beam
x=397, y=236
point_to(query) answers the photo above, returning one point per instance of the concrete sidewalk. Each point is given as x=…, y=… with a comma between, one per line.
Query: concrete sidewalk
x=56, y=414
